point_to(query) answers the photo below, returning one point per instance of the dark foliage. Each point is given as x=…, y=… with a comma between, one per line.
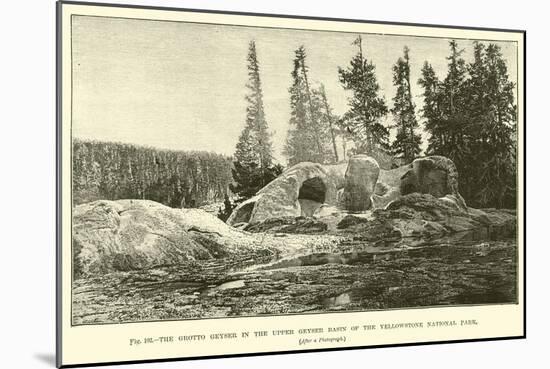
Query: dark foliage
x=248, y=179
x=253, y=165
x=311, y=134
x=407, y=141
x=471, y=118
x=366, y=108
x=227, y=209
x=111, y=171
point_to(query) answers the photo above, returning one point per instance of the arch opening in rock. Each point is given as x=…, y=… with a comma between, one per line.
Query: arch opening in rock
x=311, y=195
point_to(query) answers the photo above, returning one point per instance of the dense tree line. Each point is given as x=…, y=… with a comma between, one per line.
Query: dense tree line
x=105, y=170
x=471, y=118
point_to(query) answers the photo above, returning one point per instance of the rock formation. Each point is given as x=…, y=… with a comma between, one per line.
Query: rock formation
x=299, y=190
x=426, y=217
x=135, y=234
x=360, y=182
x=434, y=175
x=416, y=200
x=307, y=189
x=128, y=235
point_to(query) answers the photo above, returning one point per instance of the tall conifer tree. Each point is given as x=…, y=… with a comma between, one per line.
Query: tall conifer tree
x=497, y=180
x=407, y=141
x=431, y=112
x=471, y=118
x=329, y=119
x=253, y=165
x=308, y=135
x=366, y=108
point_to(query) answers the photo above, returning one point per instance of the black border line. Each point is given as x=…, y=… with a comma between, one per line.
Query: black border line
x=290, y=16
x=59, y=95
x=71, y=166
x=58, y=192
x=524, y=184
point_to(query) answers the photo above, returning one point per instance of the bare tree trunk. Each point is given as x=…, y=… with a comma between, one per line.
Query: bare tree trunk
x=330, y=123
x=311, y=113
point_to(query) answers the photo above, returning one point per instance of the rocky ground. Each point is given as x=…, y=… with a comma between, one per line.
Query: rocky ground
x=420, y=251
x=443, y=273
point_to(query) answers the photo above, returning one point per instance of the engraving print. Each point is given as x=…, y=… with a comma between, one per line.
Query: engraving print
x=223, y=170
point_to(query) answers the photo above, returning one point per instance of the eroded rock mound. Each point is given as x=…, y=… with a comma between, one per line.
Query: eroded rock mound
x=360, y=182
x=329, y=192
x=298, y=191
x=123, y=235
x=136, y=234
x=434, y=175
x=423, y=215
x=304, y=188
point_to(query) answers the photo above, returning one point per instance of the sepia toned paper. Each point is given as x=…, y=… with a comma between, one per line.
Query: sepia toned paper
x=168, y=80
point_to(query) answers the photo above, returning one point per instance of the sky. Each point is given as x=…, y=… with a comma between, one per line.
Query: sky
x=181, y=86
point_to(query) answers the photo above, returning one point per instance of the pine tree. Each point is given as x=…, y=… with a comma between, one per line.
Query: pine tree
x=296, y=147
x=498, y=145
x=477, y=94
x=329, y=119
x=471, y=118
x=454, y=81
x=446, y=115
x=366, y=108
x=246, y=172
x=253, y=160
x=245, y=150
x=445, y=107
x=455, y=109
x=431, y=112
x=476, y=103
x=255, y=115
x=308, y=135
x=407, y=141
